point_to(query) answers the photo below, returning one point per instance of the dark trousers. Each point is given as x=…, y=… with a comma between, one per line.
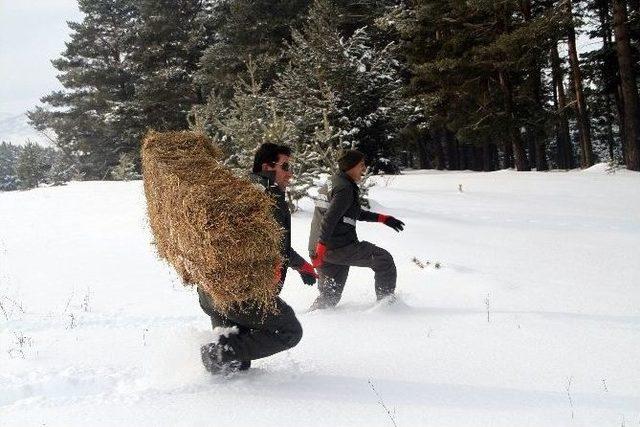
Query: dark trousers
x=333, y=273
x=260, y=334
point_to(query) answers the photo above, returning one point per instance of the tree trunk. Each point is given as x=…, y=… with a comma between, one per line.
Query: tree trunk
x=438, y=152
x=489, y=157
x=610, y=139
x=605, y=33
x=452, y=150
x=531, y=146
x=478, y=158
x=507, y=155
x=582, y=115
x=564, y=152
x=423, y=154
x=469, y=156
x=620, y=110
x=536, y=133
x=634, y=7
x=556, y=123
x=461, y=163
x=515, y=139
x=541, y=156
x=629, y=87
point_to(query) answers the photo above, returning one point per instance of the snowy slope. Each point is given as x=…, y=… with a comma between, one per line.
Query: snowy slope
x=532, y=320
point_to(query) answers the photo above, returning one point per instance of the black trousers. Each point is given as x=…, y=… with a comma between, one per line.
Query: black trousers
x=333, y=273
x=260, y=334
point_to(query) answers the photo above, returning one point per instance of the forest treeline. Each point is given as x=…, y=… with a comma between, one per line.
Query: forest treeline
x=479, y=85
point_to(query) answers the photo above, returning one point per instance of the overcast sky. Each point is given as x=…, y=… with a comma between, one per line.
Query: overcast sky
x=32, y=32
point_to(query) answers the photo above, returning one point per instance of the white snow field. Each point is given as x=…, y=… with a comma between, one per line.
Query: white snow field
x=533, y=318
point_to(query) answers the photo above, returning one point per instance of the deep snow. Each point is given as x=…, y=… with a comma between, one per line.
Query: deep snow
x=533, y=318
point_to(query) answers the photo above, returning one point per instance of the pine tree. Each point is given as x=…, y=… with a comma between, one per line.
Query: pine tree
x=533, y=100
x=8, y=163
x=582, y=113
x=64, y=168
x=171, y=37
x=31, y=167
x=348, y=83
x=629, y=86
x=478, y=70
x=126, y=169
x=93, y=116
x=352, y=15
x=244, y=30
x=564, y=158
x=249, y=120
x=240, y=126
x=601, y=70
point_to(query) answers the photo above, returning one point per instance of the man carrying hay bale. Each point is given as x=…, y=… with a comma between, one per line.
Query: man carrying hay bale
x=253, y=333
x=333, y=242
x=230, y=237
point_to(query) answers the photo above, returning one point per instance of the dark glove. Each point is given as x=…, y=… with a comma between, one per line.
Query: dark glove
x=392, y=222
x=308, y=274
x=318, y=259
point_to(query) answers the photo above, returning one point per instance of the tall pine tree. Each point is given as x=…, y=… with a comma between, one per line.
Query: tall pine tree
x=244, y=30
x=31, y=166
x=8, y=162
x=93, y=117
x=348, y=85
x=171, y=37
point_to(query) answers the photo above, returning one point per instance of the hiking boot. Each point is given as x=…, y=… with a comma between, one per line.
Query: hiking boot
x=323, y=303
x=389, y=299
x=213, y=361
x=390, y=302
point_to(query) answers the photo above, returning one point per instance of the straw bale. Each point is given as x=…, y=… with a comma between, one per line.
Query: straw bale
x=216, y=229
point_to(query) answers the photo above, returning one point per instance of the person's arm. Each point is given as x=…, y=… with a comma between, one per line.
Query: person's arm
x=387, y=220
x=307, y=271
x=392, y=222
x=295, y=259
x=368, y=216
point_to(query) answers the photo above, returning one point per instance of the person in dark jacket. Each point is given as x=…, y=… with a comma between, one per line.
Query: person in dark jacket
x=249, y=334
x=333, y=242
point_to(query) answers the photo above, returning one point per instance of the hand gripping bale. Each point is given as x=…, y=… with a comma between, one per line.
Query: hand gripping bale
x=215, y=228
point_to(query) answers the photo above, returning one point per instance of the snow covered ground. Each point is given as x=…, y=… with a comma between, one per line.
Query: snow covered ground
x=533, y=318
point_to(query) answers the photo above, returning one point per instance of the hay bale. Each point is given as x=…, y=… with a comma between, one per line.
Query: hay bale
x=216, y=229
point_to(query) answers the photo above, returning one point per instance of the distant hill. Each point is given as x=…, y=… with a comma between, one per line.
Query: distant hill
x=14, y=128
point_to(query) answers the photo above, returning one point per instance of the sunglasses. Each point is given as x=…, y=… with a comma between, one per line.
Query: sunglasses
x=285, y=166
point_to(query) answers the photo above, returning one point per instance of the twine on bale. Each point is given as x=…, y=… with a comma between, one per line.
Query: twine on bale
x=216, y=229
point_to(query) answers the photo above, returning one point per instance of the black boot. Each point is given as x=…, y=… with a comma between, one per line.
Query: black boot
x=213, y=359
x=324, y=302
x=320, y=304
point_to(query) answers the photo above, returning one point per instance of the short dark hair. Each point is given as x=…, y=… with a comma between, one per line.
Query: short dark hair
x=268, y=153
x=347, y=159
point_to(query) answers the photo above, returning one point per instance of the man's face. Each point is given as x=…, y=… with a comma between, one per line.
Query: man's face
x=282, y=176
x=356, y=173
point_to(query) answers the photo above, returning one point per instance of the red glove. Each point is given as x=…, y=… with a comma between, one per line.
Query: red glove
x=308, y=274
x=308, y=269
x=278, y=273
x=318, y=260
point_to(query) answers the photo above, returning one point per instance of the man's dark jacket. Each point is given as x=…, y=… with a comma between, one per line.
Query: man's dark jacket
x=282, y=215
